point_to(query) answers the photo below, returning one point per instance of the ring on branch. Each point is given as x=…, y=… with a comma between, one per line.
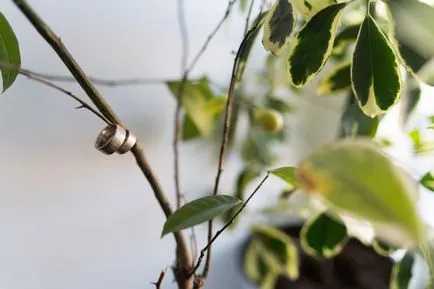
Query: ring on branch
x=114, y=138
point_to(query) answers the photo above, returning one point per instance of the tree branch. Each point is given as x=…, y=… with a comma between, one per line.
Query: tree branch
x=180, y=93
x=249, y=13
x=160, y=279
x=219, y=232
x=225, y=138
x=83, y=104
x=183, y=257
x=184, y=79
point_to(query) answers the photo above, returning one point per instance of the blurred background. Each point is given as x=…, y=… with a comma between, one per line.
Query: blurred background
x=71, y=217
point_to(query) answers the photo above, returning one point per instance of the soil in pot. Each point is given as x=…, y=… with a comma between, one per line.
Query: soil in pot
x=356, y=267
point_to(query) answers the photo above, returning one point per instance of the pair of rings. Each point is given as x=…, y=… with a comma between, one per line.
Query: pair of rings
x=114, y=138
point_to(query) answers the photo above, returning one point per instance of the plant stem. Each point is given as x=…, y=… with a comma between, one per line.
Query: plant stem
x=225, y=138
x=219, y=232
x=183, y=257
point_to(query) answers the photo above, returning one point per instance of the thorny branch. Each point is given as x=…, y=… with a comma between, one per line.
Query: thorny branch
x=182, y=252
x=219, y=232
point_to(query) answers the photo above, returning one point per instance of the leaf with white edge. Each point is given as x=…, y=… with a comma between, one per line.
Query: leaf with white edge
x=199, y=211
x=249, y=41
x=414, y=25
x=278, y=26
x=269, y=281
x=281, y=247
x=428, y=181
x=375, y=73
x=382, y=248
x=355, y=123
x=258, y=263
x=411, y=98
x=338, y=80
x=323, y=236
x=402, y=272
x=344, y=38
x=355, y=177
x=308, y=8
x=287, y=174
x=313, y=45
x=10, y=59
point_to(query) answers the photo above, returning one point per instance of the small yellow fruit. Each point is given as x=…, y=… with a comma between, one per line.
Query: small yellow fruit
x=269, y=119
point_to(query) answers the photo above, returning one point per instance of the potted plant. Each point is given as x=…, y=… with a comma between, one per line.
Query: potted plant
x=372, y=60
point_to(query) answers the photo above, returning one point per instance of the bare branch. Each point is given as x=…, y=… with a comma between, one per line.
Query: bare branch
x=102, y=81
x=212, y=34
x=160, y=279
x=182, y=252
x=249, y=13
x=225, y=138
x=219, y=232
x=83, y=104
x=184, y=79
x=184, y=58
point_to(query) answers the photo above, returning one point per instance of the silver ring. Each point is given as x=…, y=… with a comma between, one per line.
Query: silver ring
x=129, y=142
x=111, y=139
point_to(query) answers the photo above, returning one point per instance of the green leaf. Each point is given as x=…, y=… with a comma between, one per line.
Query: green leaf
x=382, y=248
x=249, y=41
x=374, y=72
x=414, y=25
x=313, y=45
x=339, y=79
x=323, y=236
x=287, y=174
x=278, y=26
x=269, y=281
x=279, y=246
x=10, y=59
x=199, y=211
x=189, y=129
x=355, y=177
x=428, y=181
x=344, y=38
x=279, y=105
x=420, y=146
x=411, y=98
x=201, y=105
x=308, y=8
x=258, y=263
x=355, y=123
x=402, y=272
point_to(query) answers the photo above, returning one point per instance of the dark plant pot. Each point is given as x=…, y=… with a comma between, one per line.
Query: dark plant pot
x=356, y=267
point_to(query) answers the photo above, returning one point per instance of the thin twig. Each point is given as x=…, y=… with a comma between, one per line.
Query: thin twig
x=83, y=104
x=249, y=13
x=212, y=34
x=102, y=81
x=219, y=232
x=184, y=79
x=182, y=251
x=184, y=58
x=160, y=279
x=225, y=137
